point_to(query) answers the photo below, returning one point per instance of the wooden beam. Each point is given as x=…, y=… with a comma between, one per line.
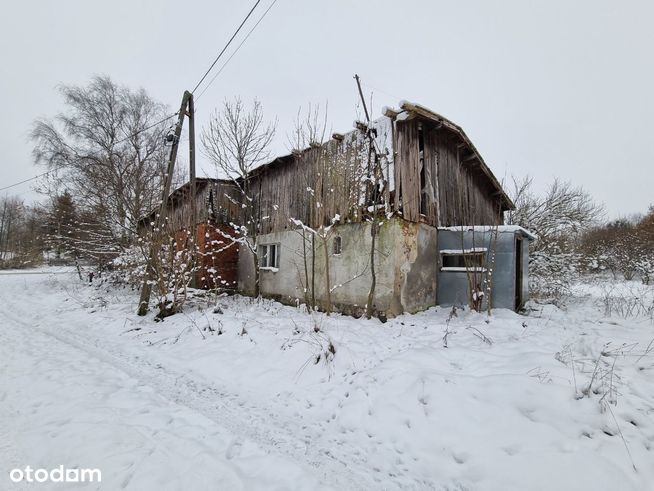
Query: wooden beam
x=360, y=125
x=389, y=112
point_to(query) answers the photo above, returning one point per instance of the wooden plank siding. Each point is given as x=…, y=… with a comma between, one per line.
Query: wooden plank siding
x=407, y=170
x=453, y=192
x=216, y=201
x=433, y=173
x=312, y=186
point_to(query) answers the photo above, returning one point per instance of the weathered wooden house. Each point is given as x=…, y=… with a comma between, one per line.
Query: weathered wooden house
x=407, y=179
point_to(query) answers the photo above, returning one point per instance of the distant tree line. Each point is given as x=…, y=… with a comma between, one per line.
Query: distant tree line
x=575, y=238
x=624, y=247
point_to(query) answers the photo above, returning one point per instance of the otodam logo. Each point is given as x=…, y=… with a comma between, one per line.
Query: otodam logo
x=58, y=474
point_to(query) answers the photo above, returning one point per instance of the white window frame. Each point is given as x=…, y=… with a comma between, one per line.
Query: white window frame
x=269, y=256
x=462, y=256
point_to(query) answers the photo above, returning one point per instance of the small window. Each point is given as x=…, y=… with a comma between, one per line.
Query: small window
x=269, y=256
x=473, y=260
x=337, y=245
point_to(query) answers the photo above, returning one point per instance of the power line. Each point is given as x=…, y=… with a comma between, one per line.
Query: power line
x=226, y=46
x=136, y=133
x=196, y=86
x=236, y=50
x=27, y=180
x=382, y=91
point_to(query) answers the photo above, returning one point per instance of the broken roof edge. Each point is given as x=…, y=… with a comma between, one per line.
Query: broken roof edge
x=388, y=112
x=434, y=116
x=175, y=193
x=198, y=181
x=281, y=159
x=502, y=229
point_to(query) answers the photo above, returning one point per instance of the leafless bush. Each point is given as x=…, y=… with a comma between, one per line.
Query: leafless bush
x=322, y=347
x=598, y=374
x=479, y=334
x=451, y=315
x=623, y=247
x=629, y=300
x=543, y=376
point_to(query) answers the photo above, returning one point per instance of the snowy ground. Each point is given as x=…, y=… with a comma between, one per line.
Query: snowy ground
x=264, y=396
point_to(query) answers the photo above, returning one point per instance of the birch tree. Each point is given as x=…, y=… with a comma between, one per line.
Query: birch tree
x=107, y=149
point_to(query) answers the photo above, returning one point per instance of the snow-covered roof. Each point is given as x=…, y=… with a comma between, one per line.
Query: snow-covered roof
x=470, y=250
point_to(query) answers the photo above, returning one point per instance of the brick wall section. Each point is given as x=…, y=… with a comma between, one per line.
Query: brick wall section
x=218, y=257
x=217, y=260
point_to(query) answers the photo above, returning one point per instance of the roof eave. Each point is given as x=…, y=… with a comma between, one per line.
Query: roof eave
x=433, y=116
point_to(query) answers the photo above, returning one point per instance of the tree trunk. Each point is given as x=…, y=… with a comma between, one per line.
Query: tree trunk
x=257, y=273
x=306, y=271
x=373, y=282
x=328, y=306
x=313, y=271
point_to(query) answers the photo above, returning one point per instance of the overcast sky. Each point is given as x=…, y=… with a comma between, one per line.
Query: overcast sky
x=546, y=88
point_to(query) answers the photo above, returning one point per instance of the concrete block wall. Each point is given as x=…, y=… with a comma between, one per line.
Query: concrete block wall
x=404, y=264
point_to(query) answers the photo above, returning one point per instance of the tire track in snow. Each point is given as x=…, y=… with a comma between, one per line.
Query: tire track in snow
x=10, y=458
x=210, y=402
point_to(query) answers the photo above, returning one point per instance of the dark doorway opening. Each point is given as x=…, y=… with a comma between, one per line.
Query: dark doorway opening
x=518, y=274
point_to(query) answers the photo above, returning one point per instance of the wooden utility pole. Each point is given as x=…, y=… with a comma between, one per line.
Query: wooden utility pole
x=363, y=99
x=161, y=218
x=191, y=163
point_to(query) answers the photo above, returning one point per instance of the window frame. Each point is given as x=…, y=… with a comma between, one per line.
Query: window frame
x=457, y=260
x=337, y=245
x=268, y=261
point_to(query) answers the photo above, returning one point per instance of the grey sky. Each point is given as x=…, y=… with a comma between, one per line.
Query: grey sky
x=548, y=88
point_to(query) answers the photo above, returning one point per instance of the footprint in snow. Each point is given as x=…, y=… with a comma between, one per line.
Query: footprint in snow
x=234, y=449
x=460, y=458
x=511, y=449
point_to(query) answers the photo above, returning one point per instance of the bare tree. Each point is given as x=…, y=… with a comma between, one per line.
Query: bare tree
x=559, y=217
x=107, y=150
x=12, y=211
x=307, y=142
x=21, y=233
x=563, y=211
x=236, y=141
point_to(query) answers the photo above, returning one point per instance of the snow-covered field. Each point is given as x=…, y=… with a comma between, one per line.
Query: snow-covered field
x=263, y=396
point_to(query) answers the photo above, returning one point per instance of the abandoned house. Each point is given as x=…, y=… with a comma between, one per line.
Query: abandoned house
x=411, y=181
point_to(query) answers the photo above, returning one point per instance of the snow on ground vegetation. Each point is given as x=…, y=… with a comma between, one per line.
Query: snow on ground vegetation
x=236, y=393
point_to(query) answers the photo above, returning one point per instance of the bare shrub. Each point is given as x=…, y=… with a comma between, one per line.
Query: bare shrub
x=628, y=300
x=321, y=345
